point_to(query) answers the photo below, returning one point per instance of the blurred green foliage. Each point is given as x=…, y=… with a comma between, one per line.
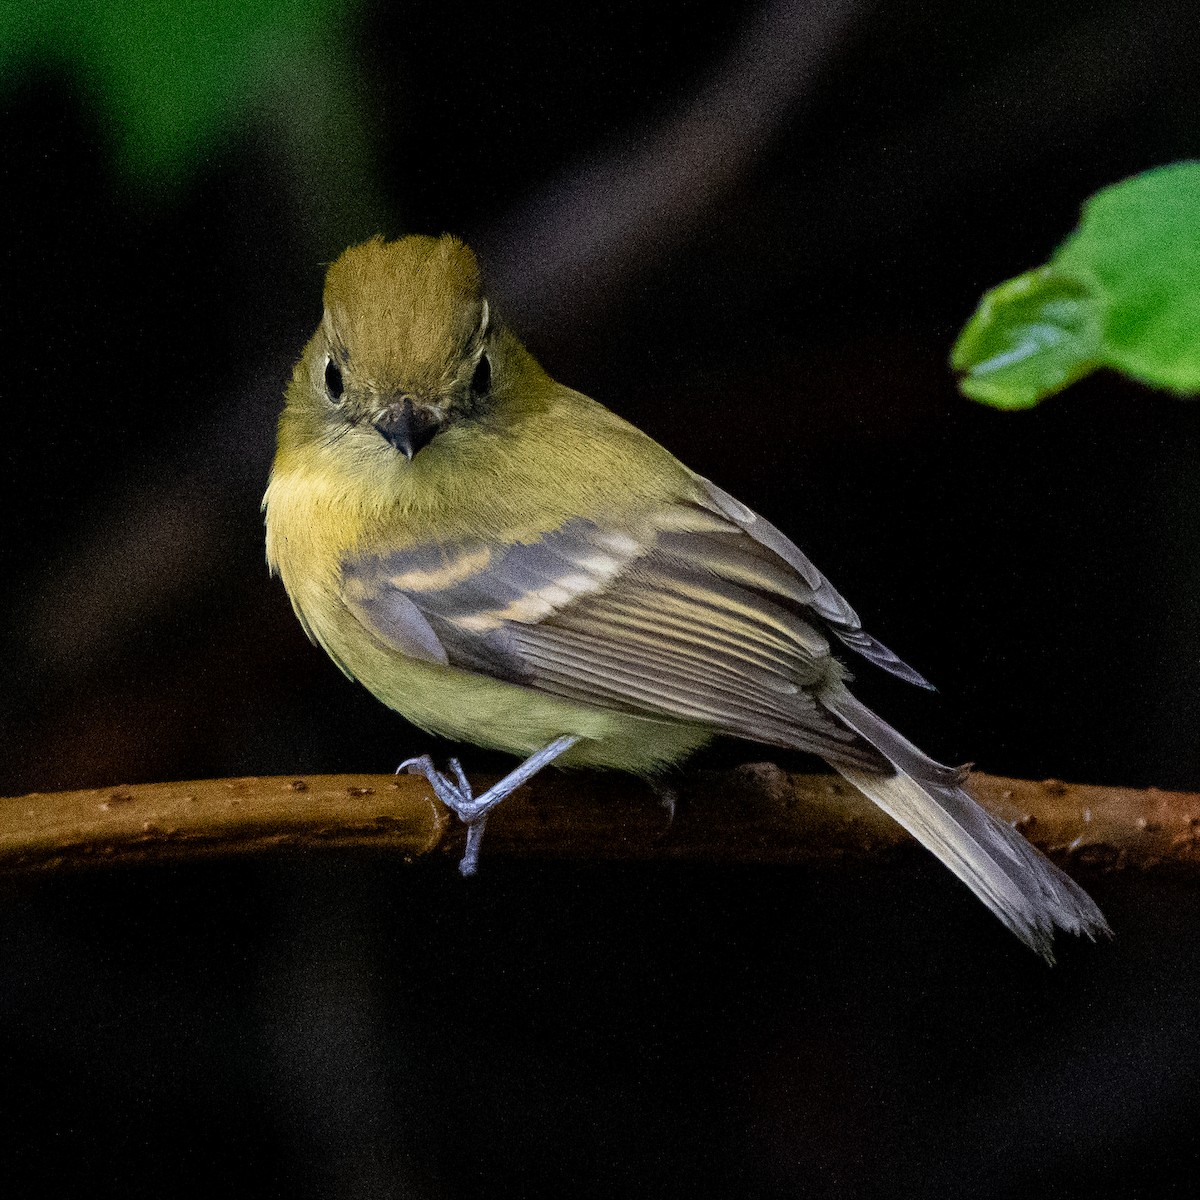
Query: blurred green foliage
x=1123, y=291
x=170, y=76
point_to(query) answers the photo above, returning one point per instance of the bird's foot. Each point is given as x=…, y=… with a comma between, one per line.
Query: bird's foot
x=668, y=797
x=457, y=795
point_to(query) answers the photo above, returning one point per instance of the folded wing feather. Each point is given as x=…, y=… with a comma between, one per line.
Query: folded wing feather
x=691, y=618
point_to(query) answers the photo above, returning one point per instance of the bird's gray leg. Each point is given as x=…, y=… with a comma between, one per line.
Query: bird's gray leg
x=456, y=794
x=668, y=797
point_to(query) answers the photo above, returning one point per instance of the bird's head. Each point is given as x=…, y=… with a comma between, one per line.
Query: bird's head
x=404, y=351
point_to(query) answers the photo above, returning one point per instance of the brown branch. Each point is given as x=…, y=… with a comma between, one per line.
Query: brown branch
x=756, y=813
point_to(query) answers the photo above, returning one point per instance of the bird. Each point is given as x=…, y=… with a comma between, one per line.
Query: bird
x=506, y=562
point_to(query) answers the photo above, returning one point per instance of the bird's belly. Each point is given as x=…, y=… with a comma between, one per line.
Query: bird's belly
x=470, y=707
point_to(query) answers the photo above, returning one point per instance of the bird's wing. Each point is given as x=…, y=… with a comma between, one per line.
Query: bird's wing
x=694, y=618
x=838, y=615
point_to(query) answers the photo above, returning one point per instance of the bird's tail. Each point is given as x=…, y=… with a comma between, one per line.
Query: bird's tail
x=1022, y=887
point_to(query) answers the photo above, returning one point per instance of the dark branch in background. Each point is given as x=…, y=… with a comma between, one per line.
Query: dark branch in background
x=565, y=251
x=755, y=814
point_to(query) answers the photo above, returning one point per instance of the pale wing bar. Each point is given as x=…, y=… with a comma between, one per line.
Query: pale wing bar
x=656, y=627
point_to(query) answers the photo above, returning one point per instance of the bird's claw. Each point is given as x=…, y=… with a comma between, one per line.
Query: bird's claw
x=668, y=797
x=458, y=797
x=455, y=794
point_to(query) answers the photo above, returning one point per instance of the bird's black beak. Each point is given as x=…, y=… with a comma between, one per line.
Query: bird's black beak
x=407, y=427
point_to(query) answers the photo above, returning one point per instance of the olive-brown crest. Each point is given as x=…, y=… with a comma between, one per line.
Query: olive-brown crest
x=402, y=314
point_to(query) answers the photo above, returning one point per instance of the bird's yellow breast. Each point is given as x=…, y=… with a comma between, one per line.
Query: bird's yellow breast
x=323, y=507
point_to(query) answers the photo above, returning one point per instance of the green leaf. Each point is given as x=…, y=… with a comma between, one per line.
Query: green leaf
x=1029, y=338
x=170, y=76
x=1138, y=246
x=1123, y=291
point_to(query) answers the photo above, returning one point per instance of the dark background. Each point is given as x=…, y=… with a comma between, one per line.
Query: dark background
x=755, y=232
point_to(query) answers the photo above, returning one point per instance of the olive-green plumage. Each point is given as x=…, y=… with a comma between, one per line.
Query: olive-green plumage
x=504, y=561
x=540, y=455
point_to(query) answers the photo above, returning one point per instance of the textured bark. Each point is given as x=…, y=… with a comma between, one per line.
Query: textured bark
x=757, y=813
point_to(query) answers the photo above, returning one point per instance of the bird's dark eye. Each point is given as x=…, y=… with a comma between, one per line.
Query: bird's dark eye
x=481, y=381
x=333, y=380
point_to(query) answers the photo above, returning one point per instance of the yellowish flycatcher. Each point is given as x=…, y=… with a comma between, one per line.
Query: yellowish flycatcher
x=506, y=562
